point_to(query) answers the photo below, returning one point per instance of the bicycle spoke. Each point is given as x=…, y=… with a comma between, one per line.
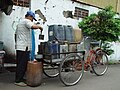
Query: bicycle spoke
x=69, y=72
x=100, y=64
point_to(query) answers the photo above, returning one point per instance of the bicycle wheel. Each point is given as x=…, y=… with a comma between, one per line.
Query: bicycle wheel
x=71, y=69
x=51, y=70
x=100, y=64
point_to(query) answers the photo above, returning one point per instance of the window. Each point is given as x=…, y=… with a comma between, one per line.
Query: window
x=23, y=3
x=80, y=13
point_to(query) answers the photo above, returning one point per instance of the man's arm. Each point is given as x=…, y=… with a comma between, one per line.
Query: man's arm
x=36, y=27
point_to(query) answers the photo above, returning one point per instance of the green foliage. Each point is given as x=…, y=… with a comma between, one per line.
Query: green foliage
x=106, y=47
x=101, y=26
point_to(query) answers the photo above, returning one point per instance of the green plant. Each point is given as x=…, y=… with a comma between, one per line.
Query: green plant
x=102, y=26
x=106, y=47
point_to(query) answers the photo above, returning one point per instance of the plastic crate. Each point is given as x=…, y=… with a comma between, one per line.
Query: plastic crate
x=56, y=32
x=69, y=35
x=51, y=48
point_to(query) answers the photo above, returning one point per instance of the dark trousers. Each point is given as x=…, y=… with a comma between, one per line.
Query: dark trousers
x=22, y=60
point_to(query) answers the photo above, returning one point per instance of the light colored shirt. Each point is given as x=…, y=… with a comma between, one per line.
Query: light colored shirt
x=23, y=35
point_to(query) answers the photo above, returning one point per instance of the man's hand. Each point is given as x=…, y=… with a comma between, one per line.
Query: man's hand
x=40, y=28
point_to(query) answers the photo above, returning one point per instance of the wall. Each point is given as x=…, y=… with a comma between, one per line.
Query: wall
x=103, y=3
x=116, y=48
x=52, y=10
x=7, y=28
x=118, y=6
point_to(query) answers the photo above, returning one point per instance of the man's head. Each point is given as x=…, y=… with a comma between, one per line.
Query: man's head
x=30, y=15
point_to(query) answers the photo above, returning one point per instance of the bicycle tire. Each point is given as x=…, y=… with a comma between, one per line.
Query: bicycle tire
x=50, y=70
x=71, y=69
x=100, y=64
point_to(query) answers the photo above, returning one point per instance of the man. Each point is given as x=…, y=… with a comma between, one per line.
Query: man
x=23, y=45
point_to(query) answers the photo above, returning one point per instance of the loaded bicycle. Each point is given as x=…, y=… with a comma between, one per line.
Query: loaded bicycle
x=70, y=69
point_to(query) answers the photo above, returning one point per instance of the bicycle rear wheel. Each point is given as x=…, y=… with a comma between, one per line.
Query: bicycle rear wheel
x=71, y=69
x=100, y=64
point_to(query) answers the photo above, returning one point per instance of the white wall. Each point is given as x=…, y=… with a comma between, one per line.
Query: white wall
x=53, y=11
x=7, y=27
x=116, y=48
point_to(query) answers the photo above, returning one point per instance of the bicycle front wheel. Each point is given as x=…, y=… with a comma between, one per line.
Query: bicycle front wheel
x=100, y=64
x=71, y=69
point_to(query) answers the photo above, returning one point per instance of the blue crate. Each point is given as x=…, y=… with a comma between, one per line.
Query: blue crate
x=69, y=35
x=52, y=48
x=56, y=32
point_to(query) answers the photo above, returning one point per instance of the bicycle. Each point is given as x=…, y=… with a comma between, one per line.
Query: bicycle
x=73, y=66
x=70, y=69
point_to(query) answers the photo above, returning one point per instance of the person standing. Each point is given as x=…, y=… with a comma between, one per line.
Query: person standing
x=23, y=45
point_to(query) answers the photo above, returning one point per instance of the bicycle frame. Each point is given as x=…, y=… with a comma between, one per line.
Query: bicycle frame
x=89, y=59
x=90, y=55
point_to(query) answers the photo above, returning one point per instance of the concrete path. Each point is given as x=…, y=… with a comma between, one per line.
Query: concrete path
x=109, y=81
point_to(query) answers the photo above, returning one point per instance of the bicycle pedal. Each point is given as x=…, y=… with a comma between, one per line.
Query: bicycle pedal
x=67, y=70
x=91, y=71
